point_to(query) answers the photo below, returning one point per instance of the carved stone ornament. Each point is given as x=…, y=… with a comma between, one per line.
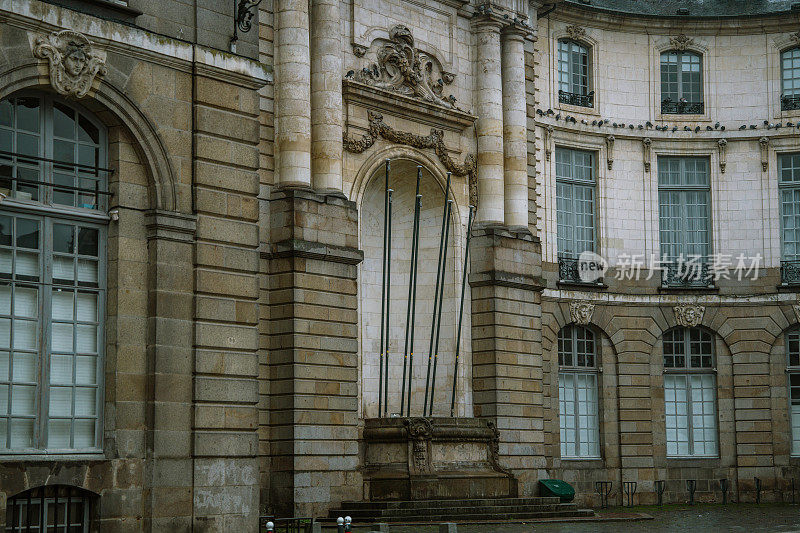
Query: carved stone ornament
x=404, y=69
x=763, y=142
x=796, y=308
x=681, y=42
x=73, y=62
x=420, y=431
x=723, y=144
x=581, y=312
x=796, y=36
x=435, y=140
x=576, y=32
x=359, y=50
x=646, y=144
x=689, y=315
x=610, y=151
x=548, y=141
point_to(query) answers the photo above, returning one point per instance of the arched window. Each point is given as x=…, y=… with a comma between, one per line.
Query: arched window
x=681, y=82
x=790, y=79
x=59, y=508
x=690, y=393
x=793, y=352
x=577, y=393
x=573, y=74
x=52, y=275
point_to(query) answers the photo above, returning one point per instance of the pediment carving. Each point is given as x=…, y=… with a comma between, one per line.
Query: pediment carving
x=397, y=65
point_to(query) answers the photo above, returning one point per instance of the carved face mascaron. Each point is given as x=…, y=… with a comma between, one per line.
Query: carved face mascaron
x=72, y=60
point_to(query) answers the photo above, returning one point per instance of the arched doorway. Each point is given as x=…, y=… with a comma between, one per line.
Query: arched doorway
x=403, y=182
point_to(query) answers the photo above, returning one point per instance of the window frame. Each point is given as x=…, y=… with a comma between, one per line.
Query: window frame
x=679, y=81
x=794, y=186
x=574, y=369
x=689, y=370
x=683, y=189
x=567, y=93
x=577, y=182
x=789, y=102
x=793, y=370
x=49, y=214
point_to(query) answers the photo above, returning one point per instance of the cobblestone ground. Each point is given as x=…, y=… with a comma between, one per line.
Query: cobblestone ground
x=699, y=518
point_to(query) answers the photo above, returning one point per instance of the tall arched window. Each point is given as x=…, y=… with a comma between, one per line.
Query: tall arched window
x=681, y=82
x=573, y=74
x=577, y=393
x=790, y=79
x=793, y=352
x=690, y=393
x=52, y=275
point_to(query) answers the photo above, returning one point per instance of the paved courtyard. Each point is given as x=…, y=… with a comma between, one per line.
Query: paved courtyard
x=699, y=518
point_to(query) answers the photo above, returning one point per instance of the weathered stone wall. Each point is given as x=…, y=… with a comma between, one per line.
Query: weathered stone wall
x=179, y=421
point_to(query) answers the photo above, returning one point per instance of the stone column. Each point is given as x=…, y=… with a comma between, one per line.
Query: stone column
x=292, y=93
x=515, y=130
x=506, y=286
x=326, y=96
x=489, y=126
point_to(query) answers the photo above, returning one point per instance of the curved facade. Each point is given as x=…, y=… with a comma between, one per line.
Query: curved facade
x=191, y=240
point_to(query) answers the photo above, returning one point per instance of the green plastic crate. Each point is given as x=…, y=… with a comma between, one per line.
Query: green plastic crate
x=556, y=487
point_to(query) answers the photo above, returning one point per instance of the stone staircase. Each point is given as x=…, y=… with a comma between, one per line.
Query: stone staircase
x=464, y=510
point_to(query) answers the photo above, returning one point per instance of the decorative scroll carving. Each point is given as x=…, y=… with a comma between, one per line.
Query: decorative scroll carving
x=420, y=431
x=610, y=151
x=581, y=312
x=73, y=62
x=359, y=50
x=689, y=315
x=722, y=154
x=795, y=36
x=646, y=144
x=763, y=142
x=404, y=69
x=434, y=140
x=548, y=141
x=576, y=32
x=494, y=447
x=681, y=42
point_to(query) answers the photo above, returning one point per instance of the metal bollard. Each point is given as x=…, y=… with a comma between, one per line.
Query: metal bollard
x=661, y=485
x=758, y=490
x=340, y=525
x=348, y=524
x=603, y=488
x=629, y=487
x=691, y=486
x=270, y=526
x=448, y=527
x=723, y=486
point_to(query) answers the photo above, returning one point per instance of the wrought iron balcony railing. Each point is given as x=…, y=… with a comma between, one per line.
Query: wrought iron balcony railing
x=790, y=272
x=686, y=274
x=790, y=102
x=569, y=272
x=681, y=107
x=583, y=100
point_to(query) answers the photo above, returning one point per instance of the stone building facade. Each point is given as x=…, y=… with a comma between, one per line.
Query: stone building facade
x=191, y=233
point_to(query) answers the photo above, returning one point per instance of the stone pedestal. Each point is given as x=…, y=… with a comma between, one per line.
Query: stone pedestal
x=433, y=458
x=506, y=289
x=313, y=351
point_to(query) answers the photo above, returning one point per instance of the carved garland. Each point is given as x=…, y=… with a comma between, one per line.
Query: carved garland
x=722, y=154
x=763, y=143
x=576, y=32
x=435, y=140
x=610, y=151
x=646, y=144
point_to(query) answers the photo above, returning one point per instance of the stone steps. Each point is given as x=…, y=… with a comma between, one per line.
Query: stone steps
x=479, y=510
